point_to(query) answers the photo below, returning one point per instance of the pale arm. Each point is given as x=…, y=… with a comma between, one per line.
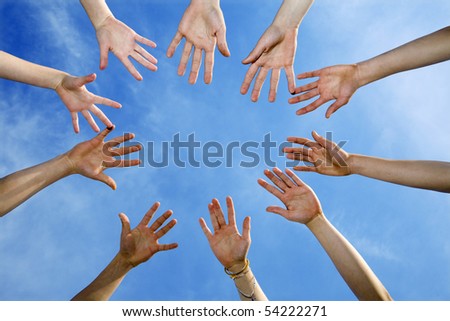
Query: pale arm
x=275, y=50
x=303, y=206
x=231, y=248
x=89, y=159
x=136, y=246
x=340, y=82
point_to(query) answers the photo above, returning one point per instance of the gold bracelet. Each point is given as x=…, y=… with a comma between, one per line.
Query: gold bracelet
x=240, y=273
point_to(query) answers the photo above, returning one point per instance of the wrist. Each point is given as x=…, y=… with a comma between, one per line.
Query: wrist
x=206, y=2
x=57, y=80
x=364, y=73
x=354, y=163
x=63, y=165
x=236, y=267
x=97, y=11
x=316, y=222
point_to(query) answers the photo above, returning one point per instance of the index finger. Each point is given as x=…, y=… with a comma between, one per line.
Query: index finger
x=145, y=41
x=148, y=216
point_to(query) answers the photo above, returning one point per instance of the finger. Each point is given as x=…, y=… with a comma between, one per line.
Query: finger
x=294, y=177
x=277, y=210
x=271, y=189
x=105, y=101
x=305, y=168
x=274, y=84
x=302, y=141
x=145, y=54
x=184, y=58
x=259, y=83
x=102, y=177
x=276, y=180
x=196, y=62
x=218, y=212
x=205, y=229
x=222, y=42
x=145, y=41
x=122, y=163
x=290, y=75
x=213, y=217
x=90, y=120
x=327, y=144
x=104, y=51
x=283, y=177
x=120, y=139
x=335, y=106
x=308, y=95
x=166, y=247
x=126, y=229
x=306, y=87
x=76, y=126
x=125, y=150
x=166, y=228
x=97, y=112
x=308, y=74
x=231, y=213
x=299, y=157
x=174, y=44
x=148, y=216
x=313, y=106
x=209, y=65
x=251, y=72
x=160, y=221
x=131, y=69
x=144, y=62
x=246, y=228
x=105, y=132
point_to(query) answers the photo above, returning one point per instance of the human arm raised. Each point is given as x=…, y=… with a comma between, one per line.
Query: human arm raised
x=231, y=248
x=327, y=158
x=303, y=206
x=89, y=159
x=115, y=36
x=338, y=83
x=70, y=89
x=203, y=26
x=137, y=246
x=275, y=50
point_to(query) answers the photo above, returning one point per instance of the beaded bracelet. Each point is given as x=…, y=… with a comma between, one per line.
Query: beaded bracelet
x=240, y=273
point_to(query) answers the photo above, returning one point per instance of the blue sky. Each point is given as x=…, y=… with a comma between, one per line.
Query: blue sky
x=53, y=245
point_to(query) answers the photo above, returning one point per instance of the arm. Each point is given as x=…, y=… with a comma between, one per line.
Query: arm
x=89, y=159
x=136, y=246
x=328, y=158
x=71, y=90
x=340, y=82
x=203, y=26
x=302, y=206
x=276, y=49
x=231, y=249
x=113, y=35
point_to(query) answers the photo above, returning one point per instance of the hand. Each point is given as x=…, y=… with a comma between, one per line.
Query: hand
x=302, y=205
x=113, y=35
x=337, y=83
x=77, y=98
x=138, y=245
x=92, y=157
x=203, y=26
x=327, y=157
x=227, y=244
x=274, y=51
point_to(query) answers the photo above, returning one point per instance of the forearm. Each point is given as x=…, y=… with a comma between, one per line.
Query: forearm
x=247, y=285
x=431, y=175
x=291, y=13
x=352, y=267
x=107, y=281
x=427, y=50
x=16, y=188
x=97, y=11
x=20, y=70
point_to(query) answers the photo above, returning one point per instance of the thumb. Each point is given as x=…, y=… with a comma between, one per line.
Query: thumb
x=104, y=50
x=102, y=177
x=81, y=81
x=254, y=55
x=125, y=225
x=321, y=140
x=222, y=42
